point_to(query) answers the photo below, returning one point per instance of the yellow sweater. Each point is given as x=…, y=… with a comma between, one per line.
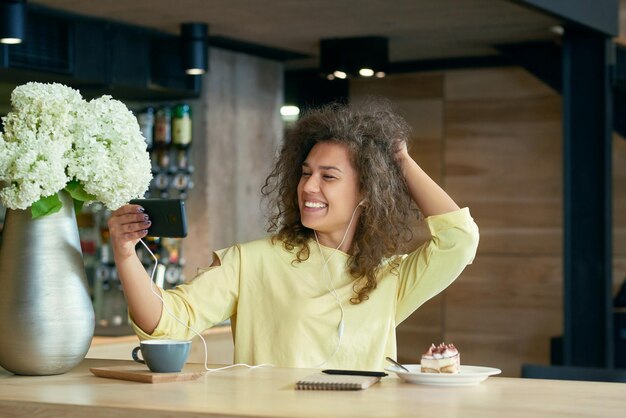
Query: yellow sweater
x=283, y=313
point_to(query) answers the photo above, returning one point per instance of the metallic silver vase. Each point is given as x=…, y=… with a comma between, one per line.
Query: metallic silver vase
x=46, y=316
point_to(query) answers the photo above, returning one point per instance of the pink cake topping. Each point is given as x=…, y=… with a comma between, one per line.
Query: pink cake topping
x=443, y=350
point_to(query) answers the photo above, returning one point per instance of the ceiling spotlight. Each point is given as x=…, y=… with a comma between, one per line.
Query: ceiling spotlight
x=195, y=45
x=380, y=74
x=12, y=21
x=340, y=74
x=289, y=113
x=557, y=30
x=355, y=57
x=289, y=110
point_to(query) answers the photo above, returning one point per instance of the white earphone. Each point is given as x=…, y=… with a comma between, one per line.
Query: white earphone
x=331, y=288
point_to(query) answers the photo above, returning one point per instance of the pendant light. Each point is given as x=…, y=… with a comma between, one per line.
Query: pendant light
x=12, y=21
x=195, y=46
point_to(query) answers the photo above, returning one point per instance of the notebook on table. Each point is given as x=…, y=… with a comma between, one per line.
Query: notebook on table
x=321, y=381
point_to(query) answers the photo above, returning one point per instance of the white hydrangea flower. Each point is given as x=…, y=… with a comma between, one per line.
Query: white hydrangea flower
x=52, y=136
x=109, y=156
x=38, y=134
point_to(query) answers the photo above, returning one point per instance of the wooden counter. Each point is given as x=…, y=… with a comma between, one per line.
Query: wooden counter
x=268, y=392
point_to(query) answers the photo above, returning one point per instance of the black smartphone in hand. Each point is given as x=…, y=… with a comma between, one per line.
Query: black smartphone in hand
x=168, y=217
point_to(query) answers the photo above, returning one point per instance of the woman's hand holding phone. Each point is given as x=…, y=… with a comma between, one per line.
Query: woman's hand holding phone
x=126, y=226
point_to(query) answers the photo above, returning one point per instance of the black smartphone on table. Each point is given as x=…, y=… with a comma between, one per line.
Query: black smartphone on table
x=168, y=217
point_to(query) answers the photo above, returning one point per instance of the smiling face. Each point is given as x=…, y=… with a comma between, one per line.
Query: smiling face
x=328, y=193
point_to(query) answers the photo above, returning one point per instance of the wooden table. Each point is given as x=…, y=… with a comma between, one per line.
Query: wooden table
x=268, y=392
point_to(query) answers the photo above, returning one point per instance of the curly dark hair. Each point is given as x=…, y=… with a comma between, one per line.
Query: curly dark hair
x=372, y=132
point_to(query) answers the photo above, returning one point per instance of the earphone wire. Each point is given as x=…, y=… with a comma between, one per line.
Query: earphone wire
x=333, y=292
x=206, y=350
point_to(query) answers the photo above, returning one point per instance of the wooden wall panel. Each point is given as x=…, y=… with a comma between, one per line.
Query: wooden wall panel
x=503, y=159
x=492, y=83
x=504, y=310
x=425, y=116
x=503, y=156
x=422, y=328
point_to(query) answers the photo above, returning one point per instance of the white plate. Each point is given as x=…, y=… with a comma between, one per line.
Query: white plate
x=467, y=376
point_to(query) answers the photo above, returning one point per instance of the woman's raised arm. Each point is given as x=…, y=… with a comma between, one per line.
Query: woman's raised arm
x=429, y=196
x=126, y=226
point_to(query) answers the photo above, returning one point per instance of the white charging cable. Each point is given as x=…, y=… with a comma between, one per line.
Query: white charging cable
x=206, y=350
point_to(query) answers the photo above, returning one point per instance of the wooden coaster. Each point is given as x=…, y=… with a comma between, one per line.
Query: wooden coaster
x=142, y=375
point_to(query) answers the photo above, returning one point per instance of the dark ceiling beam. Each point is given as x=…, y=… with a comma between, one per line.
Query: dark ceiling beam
x=257, y=50
x=599, y=15
x=307, y=88
x=440, y=64
x=543, y=59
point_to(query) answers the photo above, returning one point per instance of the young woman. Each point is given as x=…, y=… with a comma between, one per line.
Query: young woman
x=328, y=287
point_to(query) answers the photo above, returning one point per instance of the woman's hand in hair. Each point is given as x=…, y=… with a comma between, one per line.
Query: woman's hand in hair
x=401, y=153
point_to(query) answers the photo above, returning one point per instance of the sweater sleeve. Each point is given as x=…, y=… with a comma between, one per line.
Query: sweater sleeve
x=206, y=300
x=431, y=268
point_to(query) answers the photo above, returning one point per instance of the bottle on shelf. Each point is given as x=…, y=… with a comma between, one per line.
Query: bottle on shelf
x=105, y=256
x=181, y=126
x=146, y=124
x=163, y=159
x=182, y=160
x=181, y=183
x=163, y=127
x=181, y=141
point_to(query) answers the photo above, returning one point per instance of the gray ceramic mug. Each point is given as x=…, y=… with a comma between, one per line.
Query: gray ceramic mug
x=163, y=356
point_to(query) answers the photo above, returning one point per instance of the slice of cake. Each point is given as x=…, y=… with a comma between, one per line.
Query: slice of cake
x=444, y=358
